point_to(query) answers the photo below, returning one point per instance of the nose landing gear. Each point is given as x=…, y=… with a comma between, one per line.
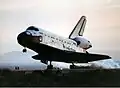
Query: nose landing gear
x=24, y=50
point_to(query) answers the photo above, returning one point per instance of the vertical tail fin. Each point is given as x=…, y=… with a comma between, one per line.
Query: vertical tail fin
x=79, y=28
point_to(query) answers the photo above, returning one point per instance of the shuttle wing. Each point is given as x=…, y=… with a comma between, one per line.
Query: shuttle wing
x=68, y=56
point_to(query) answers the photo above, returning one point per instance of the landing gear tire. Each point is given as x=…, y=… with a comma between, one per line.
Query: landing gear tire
x=24, y=50
x=50, y=67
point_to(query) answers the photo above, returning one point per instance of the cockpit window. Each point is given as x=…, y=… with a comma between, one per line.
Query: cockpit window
x=32, y=28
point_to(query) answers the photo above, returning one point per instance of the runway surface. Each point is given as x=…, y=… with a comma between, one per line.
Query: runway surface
x=74, y=78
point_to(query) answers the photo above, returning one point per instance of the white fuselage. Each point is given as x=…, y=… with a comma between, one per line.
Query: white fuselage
x=56, y=41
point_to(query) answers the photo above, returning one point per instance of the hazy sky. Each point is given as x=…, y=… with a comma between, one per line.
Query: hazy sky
x=60, y=17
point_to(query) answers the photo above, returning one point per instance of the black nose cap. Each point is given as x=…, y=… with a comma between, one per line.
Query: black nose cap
x=21, y=37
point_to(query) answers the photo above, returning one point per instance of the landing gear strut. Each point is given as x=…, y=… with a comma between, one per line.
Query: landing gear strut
x=50, y=66
x=72, y=66
x=87, y=52
x=24, y=50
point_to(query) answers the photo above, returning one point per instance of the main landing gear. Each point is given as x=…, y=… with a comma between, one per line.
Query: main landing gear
x=50, y=66
x=72, y=66
x=50, y=69
x=24, y=50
